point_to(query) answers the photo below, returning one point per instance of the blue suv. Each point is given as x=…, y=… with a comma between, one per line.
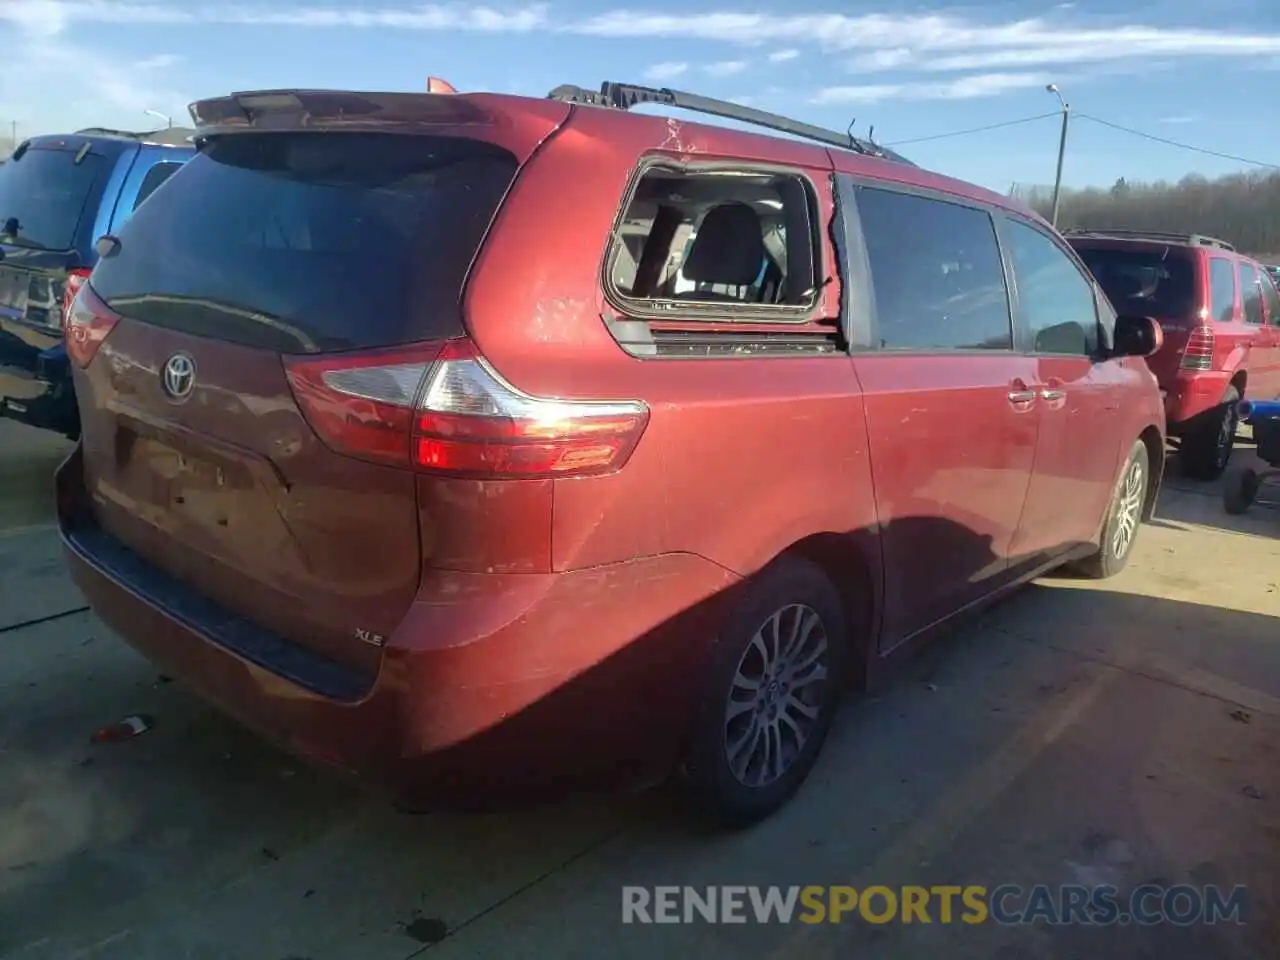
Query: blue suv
x=58, y=195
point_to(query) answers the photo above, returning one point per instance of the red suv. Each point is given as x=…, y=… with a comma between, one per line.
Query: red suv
x=1220, y=312
x=478, y=442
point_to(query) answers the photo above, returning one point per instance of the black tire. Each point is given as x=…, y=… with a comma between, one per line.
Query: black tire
x=1124, y=513
x=1206, y=449
x=1239, y=490
x=790, y=592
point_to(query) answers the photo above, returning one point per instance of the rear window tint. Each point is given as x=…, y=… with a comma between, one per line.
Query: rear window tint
x=311, y=242
x=1158, y=283
x=45, y=194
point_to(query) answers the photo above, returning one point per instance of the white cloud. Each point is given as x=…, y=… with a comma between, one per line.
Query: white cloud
x=887, y=59
x=666, y=71
x=859, y=93
x=914, y=51
x=726, y=68
x=36, y=18
x=938, y=41
x=927, y=41
x=418, y=17
x=962, y=88
x=1129, y=44
x=83, y=85
x=160, y=61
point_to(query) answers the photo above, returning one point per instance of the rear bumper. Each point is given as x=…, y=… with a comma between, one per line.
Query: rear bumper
x=1190, y=394
x=495, y=687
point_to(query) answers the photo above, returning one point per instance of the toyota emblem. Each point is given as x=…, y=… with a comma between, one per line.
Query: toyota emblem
x=179, y=376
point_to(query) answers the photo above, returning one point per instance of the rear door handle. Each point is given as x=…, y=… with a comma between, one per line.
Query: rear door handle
x=1021, y=396
x=1052, y=394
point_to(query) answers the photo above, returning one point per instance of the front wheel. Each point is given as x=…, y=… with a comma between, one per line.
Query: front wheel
x=1124, y=516
x=773, y=686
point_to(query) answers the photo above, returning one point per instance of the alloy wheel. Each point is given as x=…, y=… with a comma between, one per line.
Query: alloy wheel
x=776, y=696
x=1129, y=509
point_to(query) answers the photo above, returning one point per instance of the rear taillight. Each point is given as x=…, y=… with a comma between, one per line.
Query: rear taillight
x=88, y=322
x=1198, y=354
x=442, y=408
x=75, y=280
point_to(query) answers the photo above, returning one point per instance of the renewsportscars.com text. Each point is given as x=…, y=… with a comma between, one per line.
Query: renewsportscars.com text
x=1181, y=905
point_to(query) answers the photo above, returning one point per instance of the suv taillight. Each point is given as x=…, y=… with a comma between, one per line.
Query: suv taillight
x=75, y=280
x=1198, y=354
x=88, y=322
x=441, y=408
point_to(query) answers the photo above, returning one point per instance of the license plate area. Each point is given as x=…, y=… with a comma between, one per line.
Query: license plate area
x=187, y=488
x=15, y=290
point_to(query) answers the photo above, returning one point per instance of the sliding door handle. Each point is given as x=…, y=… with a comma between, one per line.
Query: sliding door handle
x=1022, y=396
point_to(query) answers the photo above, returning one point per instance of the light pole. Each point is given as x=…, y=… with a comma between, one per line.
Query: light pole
x=168, y=121
x=1062, y=150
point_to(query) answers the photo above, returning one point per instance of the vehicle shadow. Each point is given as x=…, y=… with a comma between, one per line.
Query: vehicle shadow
x=200, y=836
x=28, y=459
x=1185, y=502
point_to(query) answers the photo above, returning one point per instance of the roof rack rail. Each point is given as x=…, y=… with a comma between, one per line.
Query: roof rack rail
x=624, y=96
x=1190, y=239
x=170, y=136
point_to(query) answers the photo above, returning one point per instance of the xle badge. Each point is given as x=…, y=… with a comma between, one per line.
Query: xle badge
x=371, y=638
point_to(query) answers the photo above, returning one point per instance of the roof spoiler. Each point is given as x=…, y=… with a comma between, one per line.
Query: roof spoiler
x=259, y=110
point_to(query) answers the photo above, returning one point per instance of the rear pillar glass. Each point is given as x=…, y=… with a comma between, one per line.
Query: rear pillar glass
x=307, y=242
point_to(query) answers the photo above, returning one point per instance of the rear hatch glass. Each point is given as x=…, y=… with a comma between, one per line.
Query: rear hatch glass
x=45, y=194
x=307, y=243
x=1157, y=282
x=46, y=197
x=262, y=245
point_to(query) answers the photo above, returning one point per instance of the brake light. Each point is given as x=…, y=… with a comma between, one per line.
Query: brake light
x=88, y=323
x=1198, y=354
x=441, y=408
x=75, y=280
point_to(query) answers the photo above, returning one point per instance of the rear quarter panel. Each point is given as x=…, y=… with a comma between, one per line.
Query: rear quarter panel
x=741, y=457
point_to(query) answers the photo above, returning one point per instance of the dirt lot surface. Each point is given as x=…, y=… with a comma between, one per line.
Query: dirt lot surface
x=1124, y=734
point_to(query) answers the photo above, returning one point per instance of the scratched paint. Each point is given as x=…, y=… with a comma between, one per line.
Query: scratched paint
x=557, y=318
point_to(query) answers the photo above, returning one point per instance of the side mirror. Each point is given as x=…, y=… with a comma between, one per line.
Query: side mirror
x=1137, y=336
x=107, y=246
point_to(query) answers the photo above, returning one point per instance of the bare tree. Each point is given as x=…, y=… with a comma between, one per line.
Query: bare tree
x=1243, y=209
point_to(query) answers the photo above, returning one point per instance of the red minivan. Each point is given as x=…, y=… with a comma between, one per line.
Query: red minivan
x=491, y=446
